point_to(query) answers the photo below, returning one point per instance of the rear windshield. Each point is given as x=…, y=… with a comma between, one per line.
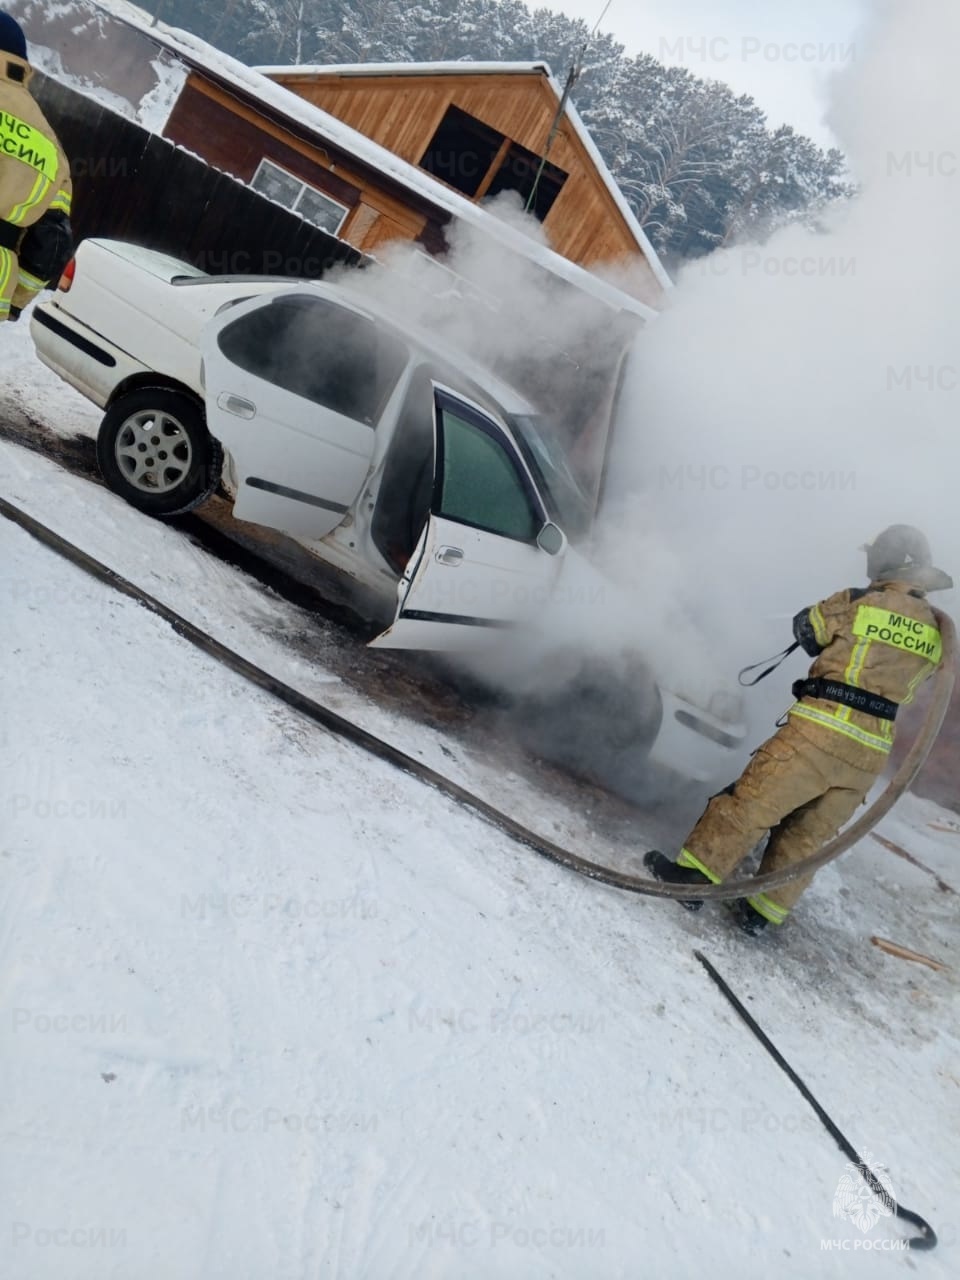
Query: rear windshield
x=319, y=350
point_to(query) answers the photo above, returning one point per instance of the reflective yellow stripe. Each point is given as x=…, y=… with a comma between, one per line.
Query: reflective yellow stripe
x=6, y=276
x=768, y=908
x=915, y=684
x=857, y=660
x=29, y=283
x=688, y=859
x=39, y=192
x=900, y=632
x=854, y=671
x=63, y=202
x=819, y=626
x=876, y=742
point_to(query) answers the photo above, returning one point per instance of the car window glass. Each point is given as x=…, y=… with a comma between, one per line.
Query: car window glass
x=316, y=349
x=480, y=483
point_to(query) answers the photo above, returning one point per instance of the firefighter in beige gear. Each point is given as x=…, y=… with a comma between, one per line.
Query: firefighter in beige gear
x=35, y=191
x=874, y=647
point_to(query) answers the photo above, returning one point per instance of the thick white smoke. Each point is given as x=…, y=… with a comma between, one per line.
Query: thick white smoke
x=500, y=307
x=799, y=396
x=795, y=397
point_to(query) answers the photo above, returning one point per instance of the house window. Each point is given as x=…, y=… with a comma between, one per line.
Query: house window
x=462, y=151
x=279, y=185
x=519, y=173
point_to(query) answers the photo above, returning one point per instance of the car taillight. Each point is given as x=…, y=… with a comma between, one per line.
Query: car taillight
x=66, y=280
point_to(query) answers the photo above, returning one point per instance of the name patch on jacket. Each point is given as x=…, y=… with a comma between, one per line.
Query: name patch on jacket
x=21, y=141
x=900, y=632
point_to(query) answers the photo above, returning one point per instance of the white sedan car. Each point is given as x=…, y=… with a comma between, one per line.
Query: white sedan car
x=383, y=453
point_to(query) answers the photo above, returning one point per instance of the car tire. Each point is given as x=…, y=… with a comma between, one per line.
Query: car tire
x=154, y=450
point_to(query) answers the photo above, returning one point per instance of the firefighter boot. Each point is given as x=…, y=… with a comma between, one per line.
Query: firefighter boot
x=747, y=919
x=669, y=873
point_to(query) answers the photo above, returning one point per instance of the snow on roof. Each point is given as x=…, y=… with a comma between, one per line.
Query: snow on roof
x=406, y=69
x=358, y=69
x=327, y=127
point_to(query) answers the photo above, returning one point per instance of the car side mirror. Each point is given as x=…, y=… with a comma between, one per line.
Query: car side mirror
x=551, y=539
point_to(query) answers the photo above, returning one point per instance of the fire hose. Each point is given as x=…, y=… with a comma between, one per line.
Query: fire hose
x=943, y=682
x=942, y=690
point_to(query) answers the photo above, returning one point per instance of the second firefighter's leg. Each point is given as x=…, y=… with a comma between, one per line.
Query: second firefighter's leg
x=780, y=777
x=801, y=835
x=27, y=288
x=9, y=272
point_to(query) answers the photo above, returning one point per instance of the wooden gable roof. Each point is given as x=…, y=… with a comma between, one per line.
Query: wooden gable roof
x=400, y=106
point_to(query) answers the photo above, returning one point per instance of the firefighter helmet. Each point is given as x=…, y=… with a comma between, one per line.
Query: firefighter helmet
x=12, y=39
x=901, y=553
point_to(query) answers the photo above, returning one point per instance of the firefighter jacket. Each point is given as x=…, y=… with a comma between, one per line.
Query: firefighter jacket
x=873, y=644
x=34, y=176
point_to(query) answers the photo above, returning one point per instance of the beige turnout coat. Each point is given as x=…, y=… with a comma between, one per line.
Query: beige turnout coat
x=34, y=176
x=806, y=781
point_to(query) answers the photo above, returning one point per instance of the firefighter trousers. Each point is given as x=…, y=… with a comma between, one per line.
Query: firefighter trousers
x=9, y=279
x=792, y=788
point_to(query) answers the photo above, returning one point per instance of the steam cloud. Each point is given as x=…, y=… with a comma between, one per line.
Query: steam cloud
x=794, y=398
x=800, y=395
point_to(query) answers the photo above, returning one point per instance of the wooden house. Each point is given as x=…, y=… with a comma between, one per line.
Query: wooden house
x=370, y=155
x=483, y=128
x=379, y=153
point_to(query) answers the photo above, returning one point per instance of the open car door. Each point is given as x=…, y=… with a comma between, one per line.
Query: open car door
x=488, y=557
x=295, y=384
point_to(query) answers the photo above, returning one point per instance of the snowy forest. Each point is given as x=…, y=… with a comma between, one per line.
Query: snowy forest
x=698, y=163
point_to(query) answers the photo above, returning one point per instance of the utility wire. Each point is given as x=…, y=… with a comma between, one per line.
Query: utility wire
x=573, y=75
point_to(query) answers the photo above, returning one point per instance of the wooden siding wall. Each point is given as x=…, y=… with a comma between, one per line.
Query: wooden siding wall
x=133, y=185
x=236, y=145
x=235, y=137
x=403, y=112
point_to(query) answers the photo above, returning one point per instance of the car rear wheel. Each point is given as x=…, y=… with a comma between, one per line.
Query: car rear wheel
x=154, y=450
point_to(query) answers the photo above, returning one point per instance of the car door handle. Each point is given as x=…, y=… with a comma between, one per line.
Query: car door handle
x=451, y=556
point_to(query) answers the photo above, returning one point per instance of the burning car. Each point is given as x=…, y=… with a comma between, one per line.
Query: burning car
x=386, y=454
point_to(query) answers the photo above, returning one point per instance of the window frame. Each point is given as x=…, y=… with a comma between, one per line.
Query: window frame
x=445, y=402
x=551, y=181
x=502, y=163
x=304, y=186
x=304, y=302
x=471, y=125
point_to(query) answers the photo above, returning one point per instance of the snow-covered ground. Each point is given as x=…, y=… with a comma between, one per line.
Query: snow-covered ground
x=275, y=1010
